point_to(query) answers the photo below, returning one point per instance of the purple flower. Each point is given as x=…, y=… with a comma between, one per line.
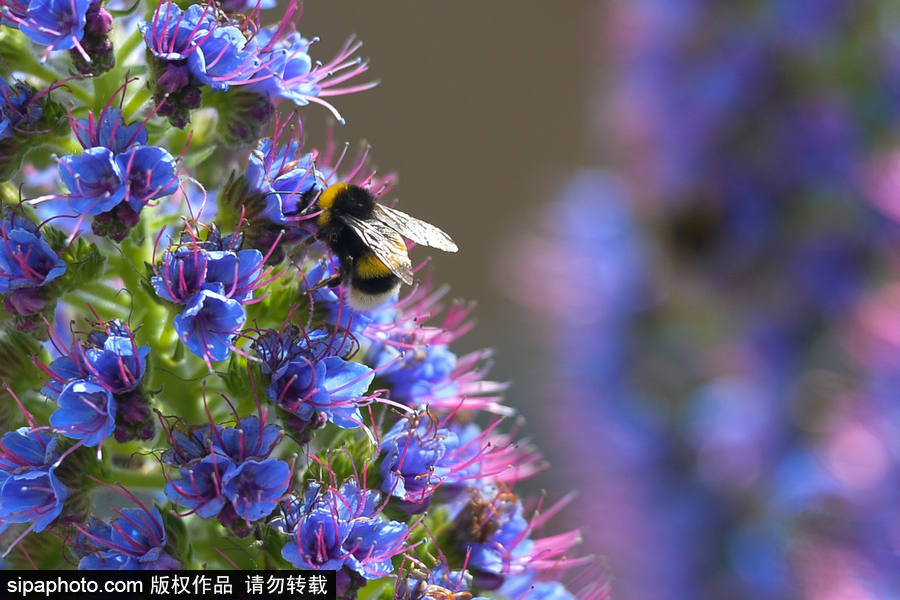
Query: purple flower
x=26, y=260
x=208, y=325
x=87, y=411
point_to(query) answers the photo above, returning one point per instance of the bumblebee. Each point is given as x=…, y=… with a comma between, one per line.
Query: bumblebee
x=367, y=239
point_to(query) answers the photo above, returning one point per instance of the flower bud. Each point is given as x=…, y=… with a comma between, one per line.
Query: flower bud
x=95, y=43
x=244, y=116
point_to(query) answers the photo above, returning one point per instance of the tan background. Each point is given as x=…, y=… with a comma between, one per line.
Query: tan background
x=482, y=110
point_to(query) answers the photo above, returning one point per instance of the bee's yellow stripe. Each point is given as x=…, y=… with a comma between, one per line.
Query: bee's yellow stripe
x=369, y=267
x=326, y=201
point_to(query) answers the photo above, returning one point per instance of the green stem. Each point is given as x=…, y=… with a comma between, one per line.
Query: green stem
x=64, y=146
x=156, y=318
x=104, y=87
x=137, y=101
x=49, y=76
x=104, y=300
x=129, y=45
x=137, y=479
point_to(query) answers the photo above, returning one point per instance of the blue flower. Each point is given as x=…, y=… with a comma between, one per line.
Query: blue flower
x=16, y=106
x=186, y=447
x=240, y=273
x=331, y=301
x=255, y=488
x=286, y=70
x=424, y=376
x=170, y=35
x=285, y=60
x=413, y=451
x=209, y=323
x=118, y=366
x=251, y=438
x=226, y=471
x=318, y=540
x=57, y=24
x=26, y=260
x=376, y=541
x=236, y=6
x=150, y=173
x=222, y=56
x=332, y=528
x=491, y=527
x=196, y=265
x=307, y=378
x=282, y=174
x=439, y=583
x=115, y=166
x=182, y=274
x=33, y=495
x=87, y=411
x=94, y=179
x=134, y=541
x=217, y=55
x=200, y=486
x=27, y=448
x=109, y=131
x=110, y=358
x=525, y=587
x=29, y=488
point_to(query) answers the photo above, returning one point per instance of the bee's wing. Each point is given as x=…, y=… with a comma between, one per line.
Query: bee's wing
x=411, y=228
x=386, y=243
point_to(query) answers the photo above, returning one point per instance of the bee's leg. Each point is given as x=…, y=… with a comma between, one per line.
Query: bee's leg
x=331, y=282
x=306, y=243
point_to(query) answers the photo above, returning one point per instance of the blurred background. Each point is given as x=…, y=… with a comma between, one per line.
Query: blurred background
x=679, y=220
